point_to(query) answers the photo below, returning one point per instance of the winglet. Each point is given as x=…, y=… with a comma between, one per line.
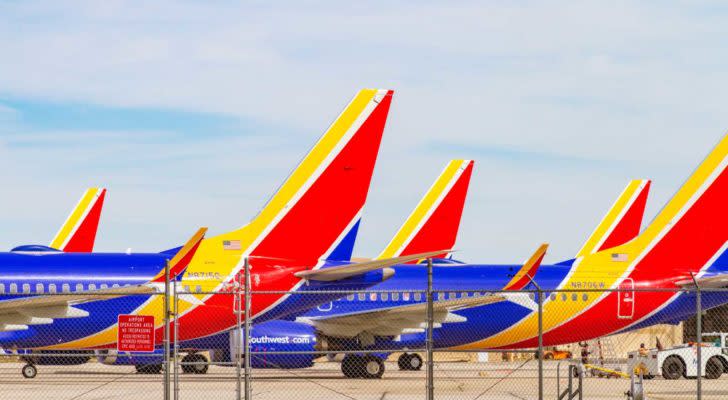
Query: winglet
x=434, y=223
x=181, y=260
x=622, y=222
x=528, y=270
x=78, y=232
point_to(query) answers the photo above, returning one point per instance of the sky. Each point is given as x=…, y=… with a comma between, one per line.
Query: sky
x=192, y=113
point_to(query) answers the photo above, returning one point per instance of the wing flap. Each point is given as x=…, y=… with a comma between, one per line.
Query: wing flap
x=350, y=270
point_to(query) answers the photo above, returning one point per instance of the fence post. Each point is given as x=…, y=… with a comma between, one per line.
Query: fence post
x=539, y=351
x=175, y=335
x=430, y=327
x=699, y=333
x=166, y=331
x=238, y=336
x=246, y=337
x=540, y=343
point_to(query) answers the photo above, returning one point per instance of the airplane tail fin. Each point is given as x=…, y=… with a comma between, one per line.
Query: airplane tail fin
x=78, y=232
x=435, y=221
x=690, y=230
x=314, y=214
x=622, y=222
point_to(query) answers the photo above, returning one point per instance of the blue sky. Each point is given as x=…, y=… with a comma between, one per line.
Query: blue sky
x=192, y=113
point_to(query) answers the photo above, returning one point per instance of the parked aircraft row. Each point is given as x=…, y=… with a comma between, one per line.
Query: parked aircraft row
x=302, y=241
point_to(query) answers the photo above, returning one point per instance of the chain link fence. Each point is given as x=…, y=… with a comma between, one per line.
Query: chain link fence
x=471, y=343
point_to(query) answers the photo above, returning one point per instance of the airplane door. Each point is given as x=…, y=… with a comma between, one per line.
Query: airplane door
x=626, y=299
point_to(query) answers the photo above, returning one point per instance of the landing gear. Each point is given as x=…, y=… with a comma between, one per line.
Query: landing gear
x=409, y=362
x=148, y=368
x=29, y=371
x=351, y=366
x=367, y=367
x=373, y=367
x=194, y=363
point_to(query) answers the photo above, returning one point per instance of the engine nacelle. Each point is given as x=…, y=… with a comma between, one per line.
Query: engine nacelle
x=113, y=357
x=268, y=339
x=56, y=357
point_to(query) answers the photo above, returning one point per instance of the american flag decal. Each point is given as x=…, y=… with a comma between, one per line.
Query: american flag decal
x=620, y=257
x=231, y=244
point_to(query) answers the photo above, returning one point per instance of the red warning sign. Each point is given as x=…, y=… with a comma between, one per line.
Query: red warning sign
x=136, y=333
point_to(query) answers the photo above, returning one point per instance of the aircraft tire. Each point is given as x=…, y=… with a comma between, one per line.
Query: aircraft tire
x=673, y=368
x=200, y=366
x=352, y=366
x=373, y=367
x=409, y=362
x=148, y=368
x=29, y=371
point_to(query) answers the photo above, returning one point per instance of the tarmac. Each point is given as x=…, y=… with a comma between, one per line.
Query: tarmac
x=453, y=380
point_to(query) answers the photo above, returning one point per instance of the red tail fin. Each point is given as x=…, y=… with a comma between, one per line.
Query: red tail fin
x=78, y=232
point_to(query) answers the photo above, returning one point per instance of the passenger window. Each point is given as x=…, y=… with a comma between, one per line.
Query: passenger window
x=2, y=288
x=372, y=297
x=395, y=296
x=91, y=286
x=584, y=297
x=453, y=295
x=116, y=286
x=385, y=296
x=574, y=296
x=563, y=296
x=65, y=288
x=79, y=287
x=198, y=288
x=350, y=297
x=39, y=288
x=362, y=296
x=13, y=288
x=406, y=296
x=104, y=286
x=418, y=296
x=52, y=288
x=26, y=288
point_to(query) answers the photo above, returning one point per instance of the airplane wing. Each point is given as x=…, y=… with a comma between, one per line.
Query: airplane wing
x=349, y=270
x=397, y=320
x=711, y=282
x=18, y=313
x=78, y=232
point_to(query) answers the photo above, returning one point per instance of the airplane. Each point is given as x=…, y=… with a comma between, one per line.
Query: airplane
x=283, y=255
